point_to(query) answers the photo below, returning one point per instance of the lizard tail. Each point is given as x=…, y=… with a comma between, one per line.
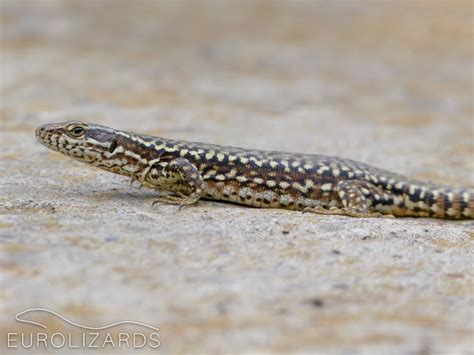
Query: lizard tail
x=439, y=202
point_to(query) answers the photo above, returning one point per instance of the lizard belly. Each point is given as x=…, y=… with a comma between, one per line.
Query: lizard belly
x=250, y=195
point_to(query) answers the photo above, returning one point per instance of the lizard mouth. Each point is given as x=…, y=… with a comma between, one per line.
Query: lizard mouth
x=40, y=132
x=46, y=137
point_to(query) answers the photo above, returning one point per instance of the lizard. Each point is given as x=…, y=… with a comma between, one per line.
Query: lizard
x=184, y=172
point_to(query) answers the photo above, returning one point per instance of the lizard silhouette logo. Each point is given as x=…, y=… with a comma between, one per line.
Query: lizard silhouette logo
x=84, y=336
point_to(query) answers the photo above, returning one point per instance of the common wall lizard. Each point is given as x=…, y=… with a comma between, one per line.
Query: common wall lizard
x=189, y=171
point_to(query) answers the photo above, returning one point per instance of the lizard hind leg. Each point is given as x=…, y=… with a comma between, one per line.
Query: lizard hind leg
x=356, y=198
x=361, y=197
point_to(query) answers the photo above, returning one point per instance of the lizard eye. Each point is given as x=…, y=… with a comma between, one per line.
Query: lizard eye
x=76, y=131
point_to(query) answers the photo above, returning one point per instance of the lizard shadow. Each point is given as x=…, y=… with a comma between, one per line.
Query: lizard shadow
x=147, y=196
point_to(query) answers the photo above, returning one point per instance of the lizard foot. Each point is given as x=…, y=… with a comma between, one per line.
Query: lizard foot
x=344, y=212
x=178, y=199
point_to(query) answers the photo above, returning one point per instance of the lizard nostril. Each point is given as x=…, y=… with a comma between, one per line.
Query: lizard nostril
x=40, y=129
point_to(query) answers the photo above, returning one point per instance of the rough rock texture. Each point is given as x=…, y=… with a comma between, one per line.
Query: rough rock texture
x=390, y=84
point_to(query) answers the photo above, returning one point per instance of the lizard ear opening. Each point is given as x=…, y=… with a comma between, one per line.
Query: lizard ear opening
x=113, y=146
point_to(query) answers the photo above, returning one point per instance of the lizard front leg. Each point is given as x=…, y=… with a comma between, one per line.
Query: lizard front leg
x=181, y=177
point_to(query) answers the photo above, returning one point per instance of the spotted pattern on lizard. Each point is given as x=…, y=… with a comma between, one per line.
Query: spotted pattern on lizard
x=189, y=171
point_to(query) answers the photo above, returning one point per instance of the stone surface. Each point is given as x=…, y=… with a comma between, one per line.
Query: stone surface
x=390, y=84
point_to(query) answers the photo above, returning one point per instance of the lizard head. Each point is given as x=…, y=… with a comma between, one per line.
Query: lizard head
x=109, y=149
x=78, y=140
